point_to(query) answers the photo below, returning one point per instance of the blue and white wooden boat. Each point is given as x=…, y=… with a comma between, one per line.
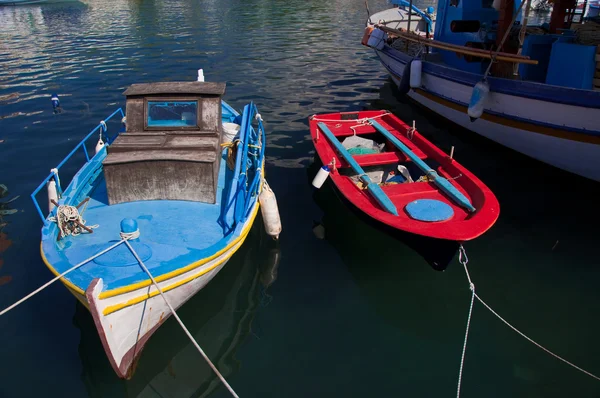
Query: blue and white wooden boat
x=183, y=197
x=543, y=99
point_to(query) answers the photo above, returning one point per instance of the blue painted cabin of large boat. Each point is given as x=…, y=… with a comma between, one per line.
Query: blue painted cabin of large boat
x=562, y=61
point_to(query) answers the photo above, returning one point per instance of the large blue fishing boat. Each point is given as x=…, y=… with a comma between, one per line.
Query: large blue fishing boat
x=534, y=89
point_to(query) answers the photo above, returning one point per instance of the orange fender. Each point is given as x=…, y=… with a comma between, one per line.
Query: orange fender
x=366, y=35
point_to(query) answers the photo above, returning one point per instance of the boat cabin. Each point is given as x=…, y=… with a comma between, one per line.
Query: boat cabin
x=564, y=48
x=170, y=149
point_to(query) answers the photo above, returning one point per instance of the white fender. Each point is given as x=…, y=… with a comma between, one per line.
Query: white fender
x=52, y=194
x=321, y=176
x=270, y=212
x=415, y=73
x=99, y=145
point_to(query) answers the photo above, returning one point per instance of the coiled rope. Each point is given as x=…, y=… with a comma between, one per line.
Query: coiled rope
x=130, y=235
x=70, y=221
x=463, y=259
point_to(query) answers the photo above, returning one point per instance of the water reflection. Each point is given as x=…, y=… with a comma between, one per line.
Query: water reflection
x=5, y=211
x=293, y=59
x=219, y=317
x=387, y=272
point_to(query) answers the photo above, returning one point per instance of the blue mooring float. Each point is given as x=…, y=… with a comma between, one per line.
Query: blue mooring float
x=55, y=103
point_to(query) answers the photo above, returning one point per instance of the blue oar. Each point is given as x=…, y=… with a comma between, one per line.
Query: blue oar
x=441, y=182
x=373, y=188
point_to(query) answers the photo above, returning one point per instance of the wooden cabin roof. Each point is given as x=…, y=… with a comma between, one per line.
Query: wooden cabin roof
x=207, y=88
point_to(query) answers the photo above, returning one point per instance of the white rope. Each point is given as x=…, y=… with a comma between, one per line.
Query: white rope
x=214, y=368
x=130, y=235
x=66, y=214
x=535, y=343
x=56, y=177
x=4, y=311
x=103, y=124
x=464, y=260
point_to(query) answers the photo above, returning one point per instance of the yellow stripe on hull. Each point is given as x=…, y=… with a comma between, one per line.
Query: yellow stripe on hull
x=139, y=299
x=80, y=294
x=177, y=272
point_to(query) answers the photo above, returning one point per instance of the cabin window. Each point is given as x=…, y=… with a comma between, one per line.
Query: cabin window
x=165, y=114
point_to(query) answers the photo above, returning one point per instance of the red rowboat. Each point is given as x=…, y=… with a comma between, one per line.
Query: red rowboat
x=394, y=175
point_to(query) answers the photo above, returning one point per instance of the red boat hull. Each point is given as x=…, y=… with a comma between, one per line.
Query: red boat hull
x=462, y=226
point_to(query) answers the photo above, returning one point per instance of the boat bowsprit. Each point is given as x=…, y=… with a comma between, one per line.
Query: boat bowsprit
x=169, y=194
x=392, y=174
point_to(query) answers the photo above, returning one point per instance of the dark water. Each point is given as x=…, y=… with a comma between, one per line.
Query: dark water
x=357, y=314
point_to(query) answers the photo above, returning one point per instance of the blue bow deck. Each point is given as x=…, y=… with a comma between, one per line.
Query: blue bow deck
x=178, y=233
x=173, y=233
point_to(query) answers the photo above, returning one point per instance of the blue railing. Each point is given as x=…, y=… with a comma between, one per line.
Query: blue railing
x=244, y=165
x=258, y=158
x=418, y=11
x=82, y=145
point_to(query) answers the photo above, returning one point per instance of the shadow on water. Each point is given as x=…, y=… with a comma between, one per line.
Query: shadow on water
x=5, y=211
x=219, y=317
x=537, y=264
x=384, y=266
x=436, y=252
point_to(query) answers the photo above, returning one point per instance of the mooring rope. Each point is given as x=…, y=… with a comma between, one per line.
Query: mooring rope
x=130, y=235
x=214, y=368
x=463, y=259
x=4, y=311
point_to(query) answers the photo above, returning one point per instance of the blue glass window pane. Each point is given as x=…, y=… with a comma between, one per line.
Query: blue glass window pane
x=172, y=113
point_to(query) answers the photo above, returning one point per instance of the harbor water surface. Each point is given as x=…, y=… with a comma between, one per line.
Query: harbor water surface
x=355, y=314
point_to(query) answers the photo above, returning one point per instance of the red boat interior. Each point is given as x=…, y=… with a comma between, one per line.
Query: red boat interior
x=460, y=224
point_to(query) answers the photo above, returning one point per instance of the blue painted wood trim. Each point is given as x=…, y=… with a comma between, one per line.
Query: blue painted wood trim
x=374, y=189
x=533, y=90
x=503, y=115
x=438, y=180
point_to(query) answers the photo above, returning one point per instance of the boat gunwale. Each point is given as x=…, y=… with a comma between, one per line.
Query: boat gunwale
x=73, y=192
x=486, y=215
x=160, y=278
x=520, y=88
x=530, y=125
x=231, y=250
